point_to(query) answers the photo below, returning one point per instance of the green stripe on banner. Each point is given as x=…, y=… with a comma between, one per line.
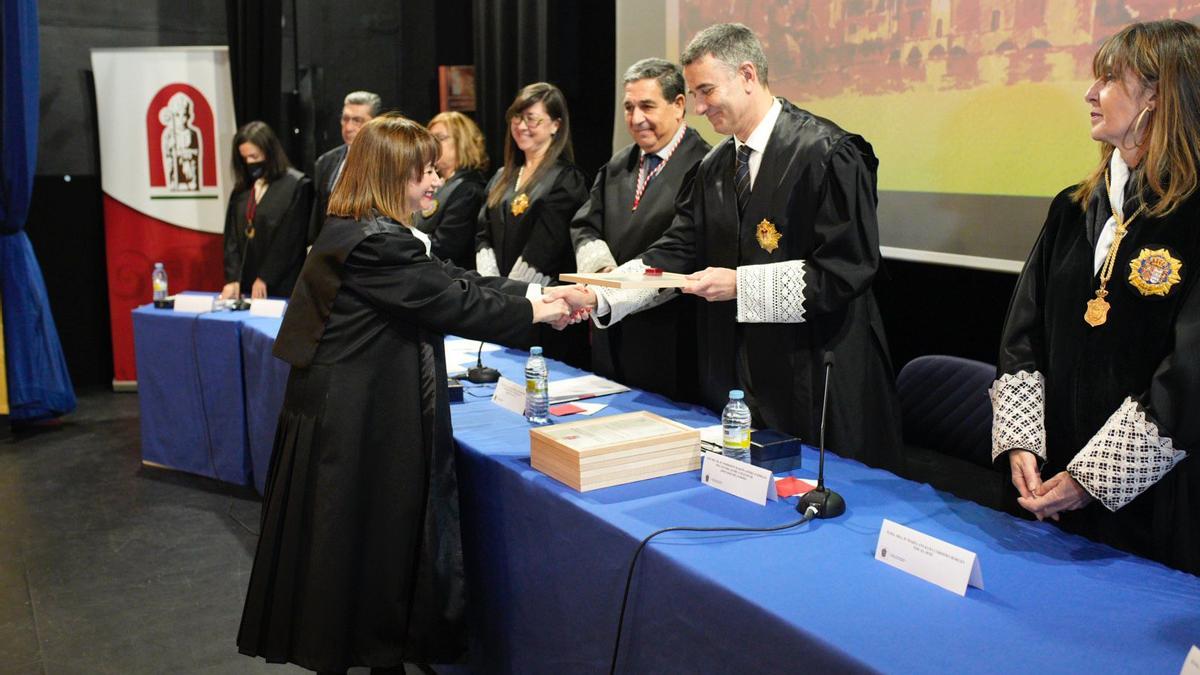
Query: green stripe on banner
x=183, y=196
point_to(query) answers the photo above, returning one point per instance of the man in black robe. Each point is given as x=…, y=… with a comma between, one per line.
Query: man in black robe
x=358, y=108
x=780, y=219
x=631, y=204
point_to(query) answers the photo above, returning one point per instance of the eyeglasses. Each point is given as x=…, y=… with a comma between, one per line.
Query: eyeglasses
x=531, y=121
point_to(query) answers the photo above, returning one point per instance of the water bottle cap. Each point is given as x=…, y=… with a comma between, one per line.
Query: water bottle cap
x=535, y=351
x=736, y=394
x=158, y=266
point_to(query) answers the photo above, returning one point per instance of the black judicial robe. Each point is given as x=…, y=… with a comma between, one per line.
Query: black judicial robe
x=541, y=237
x=324, y=172
x=360, y=560
x=817, y=185
x=451, y=222
x=654, y=350
x=1149, y=349
x=276, y=253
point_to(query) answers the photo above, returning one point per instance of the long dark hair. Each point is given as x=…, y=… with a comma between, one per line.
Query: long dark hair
x=260, y=134
x=560, y=146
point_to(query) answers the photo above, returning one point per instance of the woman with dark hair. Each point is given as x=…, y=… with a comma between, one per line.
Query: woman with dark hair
x=450, y=219
x=359, y=562
x=525, y=226
x=1098, y=373
x=266, y=222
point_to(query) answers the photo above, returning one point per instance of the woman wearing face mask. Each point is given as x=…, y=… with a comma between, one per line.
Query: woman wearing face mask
x=266, y=222
x=525, y=226
x=1099, y=374
x=359, y=562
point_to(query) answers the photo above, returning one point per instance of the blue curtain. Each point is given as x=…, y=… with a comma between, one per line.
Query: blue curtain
x=38, y=384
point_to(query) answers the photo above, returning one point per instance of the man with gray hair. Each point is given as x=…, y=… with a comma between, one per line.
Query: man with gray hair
x=631, y=205
x=358, y=108
x=780, y=219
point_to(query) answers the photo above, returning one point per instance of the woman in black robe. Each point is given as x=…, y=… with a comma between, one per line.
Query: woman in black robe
x=266, y=222
x=359, y=561
x=1098, y=373
x=450, y=219
x=525, y=226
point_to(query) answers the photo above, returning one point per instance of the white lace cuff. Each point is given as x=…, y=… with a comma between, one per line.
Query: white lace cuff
x=1124, y=458
x=523, y=271
x=771, y=293
x=622, y=302
x=1018, y=413
x=485, y=263
x=593, y=257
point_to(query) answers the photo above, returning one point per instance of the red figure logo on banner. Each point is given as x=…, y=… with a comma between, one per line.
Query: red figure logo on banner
x=180, y=140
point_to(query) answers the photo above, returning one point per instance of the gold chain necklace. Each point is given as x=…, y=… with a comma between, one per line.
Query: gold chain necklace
x=1097, y=307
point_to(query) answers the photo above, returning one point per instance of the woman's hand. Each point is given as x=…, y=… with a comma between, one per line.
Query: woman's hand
x=259, y=290
x=231, y=290
x=1025, y=475
x=551, y=311
x=1061, y=493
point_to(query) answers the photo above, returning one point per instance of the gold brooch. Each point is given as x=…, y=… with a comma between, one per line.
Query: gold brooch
x=768, y=236
x=1154, y=271
x=520, y=204
x=250, y=230
x=431, y=210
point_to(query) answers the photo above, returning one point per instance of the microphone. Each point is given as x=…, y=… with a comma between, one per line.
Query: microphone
x=481, y=374
x=828, y=503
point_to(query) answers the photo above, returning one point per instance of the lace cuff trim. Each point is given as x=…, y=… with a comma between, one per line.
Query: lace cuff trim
x=485, y=263
x=523, y=271
x=1018, y=413
x=772, y=293
x=625, y=301
x=593, y=257
x=1124, y=458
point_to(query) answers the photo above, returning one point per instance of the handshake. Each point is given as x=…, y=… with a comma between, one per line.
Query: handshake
x=562, y=306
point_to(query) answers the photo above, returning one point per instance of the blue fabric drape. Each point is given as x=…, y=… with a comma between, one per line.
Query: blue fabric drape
x=38, y=383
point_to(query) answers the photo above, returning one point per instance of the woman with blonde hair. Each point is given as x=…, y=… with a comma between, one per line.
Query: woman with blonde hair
x=359, y=560
x=1098, y=374
x=450, y=219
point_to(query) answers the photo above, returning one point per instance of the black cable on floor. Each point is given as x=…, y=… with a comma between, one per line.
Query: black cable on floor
x=808, y=515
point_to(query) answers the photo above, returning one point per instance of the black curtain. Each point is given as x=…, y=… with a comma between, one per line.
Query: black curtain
x=255, y=61
x=568, y=44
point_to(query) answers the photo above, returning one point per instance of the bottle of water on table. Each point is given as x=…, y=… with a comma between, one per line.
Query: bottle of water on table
x=537, y=388
x=158, y=279
x=735, y=424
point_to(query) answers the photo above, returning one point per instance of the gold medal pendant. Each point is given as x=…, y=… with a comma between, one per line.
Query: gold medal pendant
x=250, y=230
x=520, y=204
x=1097, y=311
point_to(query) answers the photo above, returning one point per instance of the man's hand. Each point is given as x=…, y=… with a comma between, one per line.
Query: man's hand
x=259, y=290
x=1060, y=493
x=714, y=284
x=231, y=290
x=551, y=311
x=581, y=298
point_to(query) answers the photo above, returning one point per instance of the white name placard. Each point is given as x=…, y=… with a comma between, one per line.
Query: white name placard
x=194, y=303
x=1191, y=665
x=741, y=479
x=510, y=396
x=268, y=307
x=929, y=558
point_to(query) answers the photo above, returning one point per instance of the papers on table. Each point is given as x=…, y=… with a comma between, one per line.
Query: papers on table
x=462, y=354
x=584, y=386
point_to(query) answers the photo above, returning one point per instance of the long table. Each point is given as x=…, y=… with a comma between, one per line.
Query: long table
x=546, y=566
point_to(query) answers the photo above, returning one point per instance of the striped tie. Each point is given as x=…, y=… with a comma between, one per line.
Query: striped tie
x=741, y=178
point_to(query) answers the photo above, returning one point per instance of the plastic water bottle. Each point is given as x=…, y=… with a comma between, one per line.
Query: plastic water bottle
x=158, y=279
x=735, y=423
x=537, y=388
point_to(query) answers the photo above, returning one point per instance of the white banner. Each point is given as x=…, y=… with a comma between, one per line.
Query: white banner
x=166, y=123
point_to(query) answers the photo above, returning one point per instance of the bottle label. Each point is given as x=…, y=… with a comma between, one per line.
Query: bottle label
x=737, y=439
x=160, y=285
x=534, y=385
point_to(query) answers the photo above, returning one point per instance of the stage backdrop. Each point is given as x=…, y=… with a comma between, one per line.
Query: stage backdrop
x=975, y=107
x=166, y=123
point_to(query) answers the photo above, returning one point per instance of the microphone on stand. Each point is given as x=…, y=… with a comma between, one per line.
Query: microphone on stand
x=828, y=503
x=481, y=374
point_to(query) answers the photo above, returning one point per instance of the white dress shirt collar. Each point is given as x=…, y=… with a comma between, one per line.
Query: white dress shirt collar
x=759, y=137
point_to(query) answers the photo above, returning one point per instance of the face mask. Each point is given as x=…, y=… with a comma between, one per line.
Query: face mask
x=256, y=170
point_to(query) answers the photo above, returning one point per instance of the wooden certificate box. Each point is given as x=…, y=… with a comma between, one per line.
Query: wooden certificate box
x=614, y=450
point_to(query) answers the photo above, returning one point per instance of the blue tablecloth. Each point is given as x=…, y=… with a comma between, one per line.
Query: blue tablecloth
x=266, y=381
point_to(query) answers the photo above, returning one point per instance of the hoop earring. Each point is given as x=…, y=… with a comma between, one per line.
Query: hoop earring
x=1135, y=128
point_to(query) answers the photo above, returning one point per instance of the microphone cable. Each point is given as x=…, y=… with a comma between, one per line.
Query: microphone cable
x=809, y=514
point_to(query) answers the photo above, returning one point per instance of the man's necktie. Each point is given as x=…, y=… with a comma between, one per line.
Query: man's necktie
x=741, y=178
x=649, y=164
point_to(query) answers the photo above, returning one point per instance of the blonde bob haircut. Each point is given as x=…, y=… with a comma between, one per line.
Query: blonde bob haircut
x=388, y=152
x=468, y=140
x=1164, y=55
